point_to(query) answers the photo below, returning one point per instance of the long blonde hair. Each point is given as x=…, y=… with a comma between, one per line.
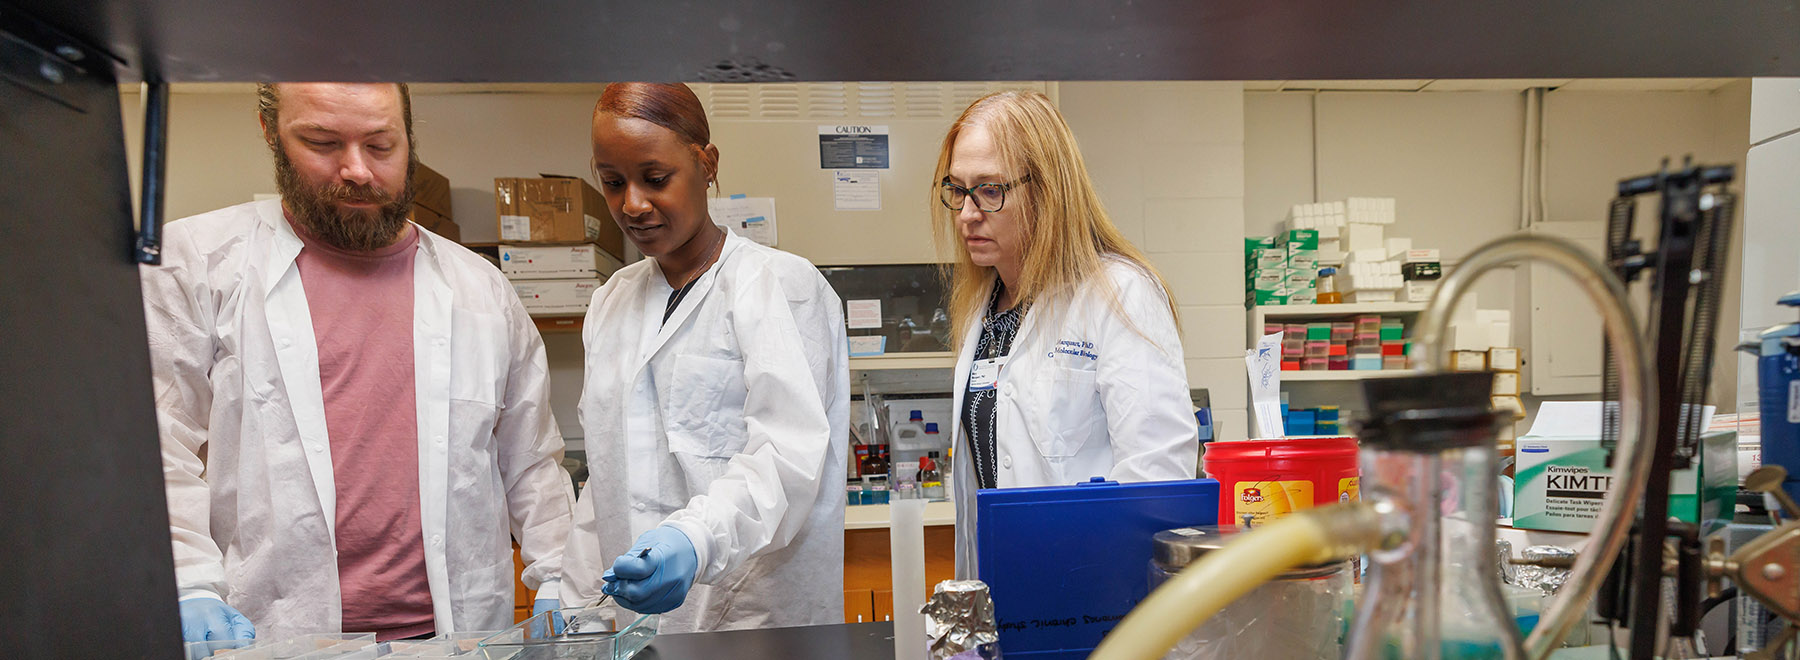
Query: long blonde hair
x=1067, y=233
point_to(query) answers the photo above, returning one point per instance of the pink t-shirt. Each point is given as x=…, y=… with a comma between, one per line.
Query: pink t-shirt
x=362, y=316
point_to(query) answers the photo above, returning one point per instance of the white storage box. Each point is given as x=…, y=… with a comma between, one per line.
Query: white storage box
x=557, y=262
x=557, y=297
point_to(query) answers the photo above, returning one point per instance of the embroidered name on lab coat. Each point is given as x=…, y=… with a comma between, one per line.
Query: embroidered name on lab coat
x=1076, y=348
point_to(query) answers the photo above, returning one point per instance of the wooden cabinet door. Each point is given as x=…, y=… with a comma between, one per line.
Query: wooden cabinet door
x=859, y=605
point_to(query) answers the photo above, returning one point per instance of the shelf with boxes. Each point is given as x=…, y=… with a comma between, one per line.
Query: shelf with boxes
x=1338, y=252
x=1334, y=339
x=555, y=246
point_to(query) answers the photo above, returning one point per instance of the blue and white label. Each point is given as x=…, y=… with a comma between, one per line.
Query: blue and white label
x=1794, y=402
x=985, y=374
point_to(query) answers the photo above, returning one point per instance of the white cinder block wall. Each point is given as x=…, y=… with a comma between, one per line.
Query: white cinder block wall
x=1169, y=161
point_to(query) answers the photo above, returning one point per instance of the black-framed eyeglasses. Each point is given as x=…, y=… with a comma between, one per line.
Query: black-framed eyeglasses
x=989, y=197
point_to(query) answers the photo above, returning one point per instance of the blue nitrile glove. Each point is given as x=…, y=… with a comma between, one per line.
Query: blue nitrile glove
x=209, y=619
x=543, y=605
x=653, y=577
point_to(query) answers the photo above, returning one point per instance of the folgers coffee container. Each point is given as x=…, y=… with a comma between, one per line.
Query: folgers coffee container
x=1261, y=480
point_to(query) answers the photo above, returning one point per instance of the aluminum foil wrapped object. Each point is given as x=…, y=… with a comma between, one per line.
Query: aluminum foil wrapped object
x=1503, y=559
x=1547, y=580
x=959, y=619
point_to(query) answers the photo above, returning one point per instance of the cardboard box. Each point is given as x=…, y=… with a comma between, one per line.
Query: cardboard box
x=1510, y=404
x=1422, y=256
x=1268, y=279
x=1359, y=237
x=1503, y=358
x=1264, y=258
x=1306, y=239
x=435, y=223
x=555, y=209
x=1260, y=298
x=1562, y=476
x=1468, y=361
x=558, y=262
x=431, y=190
x=557, y=297
x=1418, y=291
x=1371, y=295
x=1303, y=259
x=1506, y=383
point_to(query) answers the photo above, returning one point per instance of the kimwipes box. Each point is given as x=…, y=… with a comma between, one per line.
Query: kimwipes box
x=555, y=209
x=1561, y=477
x=556, y=262
x=557, y=297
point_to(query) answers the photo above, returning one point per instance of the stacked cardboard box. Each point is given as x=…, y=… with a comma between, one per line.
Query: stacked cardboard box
x=431, y=203
x=1281, y=270
x=556, y=247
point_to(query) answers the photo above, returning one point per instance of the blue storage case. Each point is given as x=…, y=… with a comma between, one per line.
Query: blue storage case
x=1065, y=563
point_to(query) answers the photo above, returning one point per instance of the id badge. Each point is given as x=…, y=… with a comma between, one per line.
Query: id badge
x=985, y=373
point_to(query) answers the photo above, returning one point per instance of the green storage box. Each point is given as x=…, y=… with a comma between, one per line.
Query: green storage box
x=1306, y=239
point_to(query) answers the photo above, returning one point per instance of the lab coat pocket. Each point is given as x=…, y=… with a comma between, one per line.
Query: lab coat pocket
x=1074, y=416
x=705, y=413
x=478, y=356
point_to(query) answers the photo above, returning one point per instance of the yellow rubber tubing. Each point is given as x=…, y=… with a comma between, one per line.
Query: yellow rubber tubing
x=1203, y=588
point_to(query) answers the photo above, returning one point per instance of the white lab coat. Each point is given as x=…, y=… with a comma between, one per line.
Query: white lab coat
x=246, y=455
x=1086, y=393
x=730, y=422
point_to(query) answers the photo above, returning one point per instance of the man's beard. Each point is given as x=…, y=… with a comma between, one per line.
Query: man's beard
x=316, y=210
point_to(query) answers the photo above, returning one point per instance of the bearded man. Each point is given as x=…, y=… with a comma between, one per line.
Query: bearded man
x=354, y=412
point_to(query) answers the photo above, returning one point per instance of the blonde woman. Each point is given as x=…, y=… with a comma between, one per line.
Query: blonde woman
x=1068, y=354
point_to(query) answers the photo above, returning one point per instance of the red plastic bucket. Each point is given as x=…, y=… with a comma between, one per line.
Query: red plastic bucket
x=1260, y=480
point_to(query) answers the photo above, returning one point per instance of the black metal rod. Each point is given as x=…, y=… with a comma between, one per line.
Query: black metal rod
x=1687, y=580
x=156, y=152
x=1675, y=251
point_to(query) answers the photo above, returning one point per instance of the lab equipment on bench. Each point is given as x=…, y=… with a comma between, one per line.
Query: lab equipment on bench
x=572, y=633
x=1429, y=447
x=1088, y=546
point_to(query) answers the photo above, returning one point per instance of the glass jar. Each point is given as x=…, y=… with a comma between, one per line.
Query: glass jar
x=1300, y=614
x=1428, y=454
x=1327, y=287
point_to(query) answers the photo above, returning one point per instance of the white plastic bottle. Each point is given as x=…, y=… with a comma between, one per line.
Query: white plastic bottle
x=910, y=434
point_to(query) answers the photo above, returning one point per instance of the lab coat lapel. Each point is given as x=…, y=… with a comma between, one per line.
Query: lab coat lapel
x=962, y=480
x=692, y=301
x=297, y=353
x=432, y=310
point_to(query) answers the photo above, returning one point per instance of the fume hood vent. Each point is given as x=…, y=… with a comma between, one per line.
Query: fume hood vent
x=835, y=101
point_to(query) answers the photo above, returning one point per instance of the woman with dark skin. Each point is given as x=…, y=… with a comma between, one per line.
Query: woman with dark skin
x=715, y=403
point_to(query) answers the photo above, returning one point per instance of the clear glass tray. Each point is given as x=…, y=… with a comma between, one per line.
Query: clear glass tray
x=453, y=645
x=572, y=633
x=307, y=647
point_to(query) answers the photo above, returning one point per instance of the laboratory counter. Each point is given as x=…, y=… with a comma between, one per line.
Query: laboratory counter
x=843, y=641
